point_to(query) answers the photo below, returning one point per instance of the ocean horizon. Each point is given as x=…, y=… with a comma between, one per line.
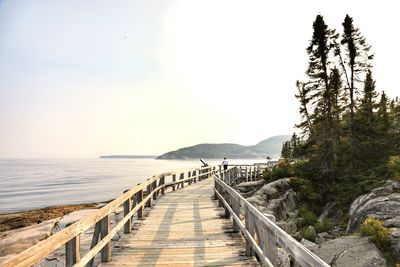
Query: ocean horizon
x=27, y=184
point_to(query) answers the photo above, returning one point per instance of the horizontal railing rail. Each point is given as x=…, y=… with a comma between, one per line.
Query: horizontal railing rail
x=261, y=233
x=133, y=200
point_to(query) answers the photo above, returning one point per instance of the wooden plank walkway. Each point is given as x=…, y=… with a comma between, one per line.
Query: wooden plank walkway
x=184, y=228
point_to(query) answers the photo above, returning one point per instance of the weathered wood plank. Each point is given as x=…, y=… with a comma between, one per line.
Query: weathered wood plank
x=72, y=251
x=183, y=228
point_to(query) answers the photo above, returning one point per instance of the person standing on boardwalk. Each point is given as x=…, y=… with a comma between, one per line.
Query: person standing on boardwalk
x=225, y=164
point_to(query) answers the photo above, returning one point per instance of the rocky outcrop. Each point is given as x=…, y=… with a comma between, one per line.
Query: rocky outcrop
x=279, y=199
x=14, y=241
x=382, y=203
x=247, y=189
x=347, y=251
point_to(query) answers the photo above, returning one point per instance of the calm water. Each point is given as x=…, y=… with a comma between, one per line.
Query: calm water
x=31, y=184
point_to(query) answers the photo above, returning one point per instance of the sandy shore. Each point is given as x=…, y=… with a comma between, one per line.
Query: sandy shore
x=21, y=219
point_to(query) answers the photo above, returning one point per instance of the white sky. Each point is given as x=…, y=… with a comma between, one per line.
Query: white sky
x=87, y=78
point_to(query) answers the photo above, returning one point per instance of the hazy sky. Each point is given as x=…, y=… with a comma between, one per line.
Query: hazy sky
x=86, y=78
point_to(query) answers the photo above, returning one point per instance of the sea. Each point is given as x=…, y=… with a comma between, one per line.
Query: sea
x=27, y=184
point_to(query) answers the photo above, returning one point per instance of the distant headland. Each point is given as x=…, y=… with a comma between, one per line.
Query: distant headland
x=269, y=147
x=128, y=157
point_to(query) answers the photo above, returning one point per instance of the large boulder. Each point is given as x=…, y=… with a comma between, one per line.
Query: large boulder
x=382, y=203
x=279, y=199
x=347, y=251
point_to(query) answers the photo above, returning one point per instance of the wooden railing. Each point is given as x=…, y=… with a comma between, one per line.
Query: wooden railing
x=261, y=233
x=134, y=201
x=242, y=173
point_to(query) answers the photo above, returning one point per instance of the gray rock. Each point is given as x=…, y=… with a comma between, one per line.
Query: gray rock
x=308, y=244
x=332, y=212
x=348, y=251
x=246, y=187
x=15, y=241
x=323, y=237
x=276, y=198
x=73, y=217
x=382, y=203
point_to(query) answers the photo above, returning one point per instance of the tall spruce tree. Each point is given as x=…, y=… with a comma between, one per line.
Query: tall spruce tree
x=322, y=95
x=355, y=62
x=366, y=128
x=383, y=125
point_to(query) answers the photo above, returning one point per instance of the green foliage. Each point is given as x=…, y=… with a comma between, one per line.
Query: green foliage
x=394, y=167
x=307, y=217
x=282, y=170
x=308, y=233
x=374, y=229
x=349, y=187
x=305, y=188
x=323, y=226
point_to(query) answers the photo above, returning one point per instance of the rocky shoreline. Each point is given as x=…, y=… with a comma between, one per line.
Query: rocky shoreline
x=337, y=244
x=15, y=220
x=21, y=230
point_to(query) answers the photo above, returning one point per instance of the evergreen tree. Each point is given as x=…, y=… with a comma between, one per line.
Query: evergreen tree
x=383, y=127
x=286, y=153
x=383, y=115
x=355, y=62
x=366, y=125
x=319, y=52
x=304, y=98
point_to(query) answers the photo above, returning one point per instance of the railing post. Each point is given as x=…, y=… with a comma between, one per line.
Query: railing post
x=139, y=200
x=195, y=175
x=247, y=175
x=250, y=228
x=163, y=185
x=189, y=180
x=104, y=230
x=154, y=186
x=227, y=199
x=220, y=191
x=236, y=210
x=95, y=240
x=269, y=247
x=72, y=251
x=173, y=180
x=215, y=188
x=148, y=191
x=181, y=178
x=127, y=209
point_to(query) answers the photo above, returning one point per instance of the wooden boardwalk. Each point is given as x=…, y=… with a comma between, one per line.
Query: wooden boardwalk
x=184, y=228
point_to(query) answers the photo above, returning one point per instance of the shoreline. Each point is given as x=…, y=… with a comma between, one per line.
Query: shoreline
x=19, y=219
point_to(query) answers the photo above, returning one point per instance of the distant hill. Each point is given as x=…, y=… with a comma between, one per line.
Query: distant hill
x=268, y=147
x=127, y=157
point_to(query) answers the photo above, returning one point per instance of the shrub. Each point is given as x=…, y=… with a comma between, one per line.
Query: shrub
x=394, y=167
x=307, y=217
x=281, y=170
x=308, y=233
x=305, y=188
x=323, y=226
x=374, y=229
